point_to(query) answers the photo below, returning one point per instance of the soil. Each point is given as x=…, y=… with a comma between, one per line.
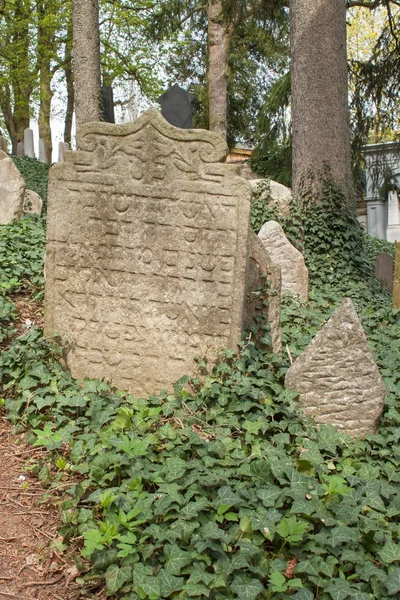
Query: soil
x=29, y=567
x=31, y=563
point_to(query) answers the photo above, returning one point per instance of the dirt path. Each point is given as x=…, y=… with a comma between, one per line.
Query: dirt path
x=30, y=566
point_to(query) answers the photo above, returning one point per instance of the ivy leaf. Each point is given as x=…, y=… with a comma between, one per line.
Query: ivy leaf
x=116, y=577
x=169, y=584
x=303, y=595
x=390, y=552
x=269, y=495
x=393, y=582
x=197, y=589
x=246, y=587
x=176, y=559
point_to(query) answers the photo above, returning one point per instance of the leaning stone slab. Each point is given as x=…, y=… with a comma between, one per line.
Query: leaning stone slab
x=384, y=266
x=3, y=144
x=147, y=241
x=337, y=378
x=261, y=272
x=275, y=194
x=29, y=143
x=290, y=260
x=396, y=281
x=12, y=189
x=32, y=203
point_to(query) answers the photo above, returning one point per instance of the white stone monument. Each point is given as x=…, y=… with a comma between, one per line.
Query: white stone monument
x=28, y=143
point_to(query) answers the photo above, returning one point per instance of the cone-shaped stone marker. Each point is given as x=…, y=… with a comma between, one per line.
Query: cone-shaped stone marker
x=337, y=378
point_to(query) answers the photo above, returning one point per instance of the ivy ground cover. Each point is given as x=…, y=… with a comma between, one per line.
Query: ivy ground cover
x=221, y=489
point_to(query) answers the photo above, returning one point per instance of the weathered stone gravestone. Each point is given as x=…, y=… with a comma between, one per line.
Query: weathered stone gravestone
x=12, y=189
x=29, y=149
x=261, y=272
x=147, y=235
x=337, y=378
x=177, y=107
x=384, y=265
x=277, y=194
x=396, y=282
x=3, y=144
x=42, y=151
x=107, y=104
x=32, y=203
x=290, y=260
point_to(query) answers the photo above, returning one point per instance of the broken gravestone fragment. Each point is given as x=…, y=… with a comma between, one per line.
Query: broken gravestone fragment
x=262, y=275
x=384, y=266
x=337, y=378
x=147, y=242
x=32, y=203
x=396, y=279
x=12, y=189
x=291, y=261
x=274, y=193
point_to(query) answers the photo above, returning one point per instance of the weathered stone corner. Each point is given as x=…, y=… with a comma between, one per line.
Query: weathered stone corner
x=337, y=378
x=12, y=189
x=284, y=254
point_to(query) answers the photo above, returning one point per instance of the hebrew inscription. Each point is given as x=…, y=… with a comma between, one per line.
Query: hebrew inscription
x=146, y=252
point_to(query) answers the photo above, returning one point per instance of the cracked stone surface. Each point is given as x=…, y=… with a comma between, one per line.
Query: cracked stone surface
x=12, y=189
x=290, y=260
x=337, y=378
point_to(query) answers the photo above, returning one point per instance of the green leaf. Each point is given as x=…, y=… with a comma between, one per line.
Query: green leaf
x=291, y=529
x=246, y=587
x=116, y=577
x=390, y=552
x=303, y=595
x=393, y=582
x=169, y=584
x=269, y=495
x=176, y=559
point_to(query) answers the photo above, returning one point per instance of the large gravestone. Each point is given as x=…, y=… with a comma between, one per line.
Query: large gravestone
x=147, y=235
x=177, y=107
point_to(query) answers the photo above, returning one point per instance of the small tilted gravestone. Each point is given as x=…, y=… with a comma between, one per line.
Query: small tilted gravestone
x=29, y=149
x=12, y=189
x=384, y=265
x=177, y=107
x=3, y=144
x=396, y=282
x=32, y=203
x=147, y=242
x=262, y=275
x=107, y=104
x=337, y=378
x=291, y=261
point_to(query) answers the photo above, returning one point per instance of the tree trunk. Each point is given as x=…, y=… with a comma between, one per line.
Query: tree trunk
x=69, y=78
x=46, y=96
x=320, y=114
x=20, y=76
x=86, y=43
x=219, y=37
x=46, y=49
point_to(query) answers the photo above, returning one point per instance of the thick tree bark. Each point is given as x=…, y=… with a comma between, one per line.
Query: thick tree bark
x=86, y=42
x=46, y=49
x=219, y=37
x=320, y=114
x=69, y=78
x=20, y=75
